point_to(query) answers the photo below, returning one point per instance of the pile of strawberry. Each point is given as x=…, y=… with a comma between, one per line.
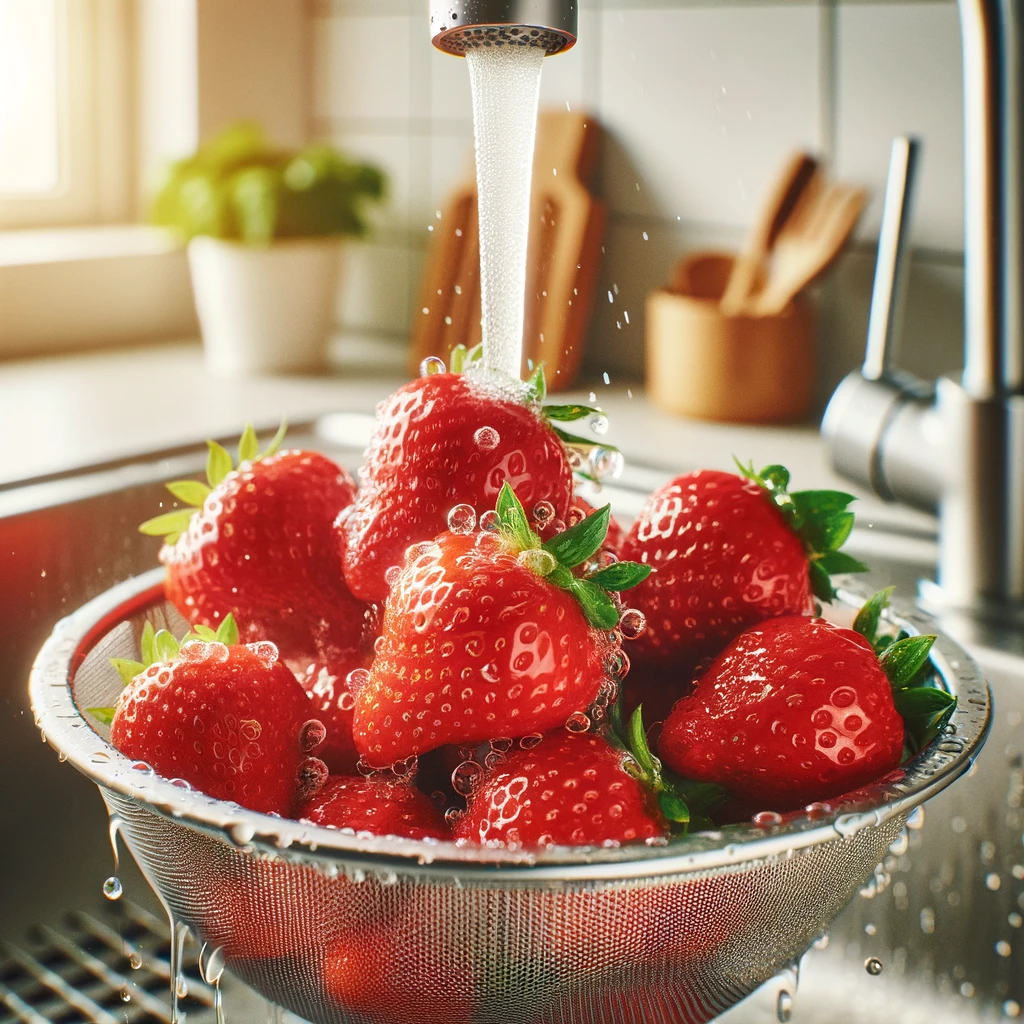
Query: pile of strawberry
x=423, y=657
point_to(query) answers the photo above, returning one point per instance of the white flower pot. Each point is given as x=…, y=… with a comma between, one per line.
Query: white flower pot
x=265, y=310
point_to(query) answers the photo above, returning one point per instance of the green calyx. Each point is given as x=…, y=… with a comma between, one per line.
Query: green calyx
x=159, y=646
x=683, y=802
x=555, y=559
x=819, y=518
x=922, y=703
x=171, y=525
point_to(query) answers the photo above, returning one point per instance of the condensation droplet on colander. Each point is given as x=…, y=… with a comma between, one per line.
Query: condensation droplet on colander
x=489, y=521
x=466, y=777
x=632, y=623
x=784, y=1007
x=462, y=519
x=599, y=424
x=432, y=365
x=578, y=721
x=182, y=987
x=312, y=734
x=486, y=438
x=916, y=819
x=142, y=768
x=538, y=561
x=112, y=888
x=821, y=942
x=242, y=832
x=900, y=844
x=1011, y=1008
x=543, y=513
x=767, y=819
x=873, y=966
x=356, y=680
x=134, y=961
x=391, y=574
x=126, y=996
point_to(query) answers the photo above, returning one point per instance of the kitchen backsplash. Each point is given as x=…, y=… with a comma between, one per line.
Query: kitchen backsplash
x=700, y=102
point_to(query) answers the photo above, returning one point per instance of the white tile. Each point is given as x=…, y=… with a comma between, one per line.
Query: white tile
x=393, y=155
x=450, y=98
x=379, y=283
x=451, y=164
x=899, y=71
x=704, y=104
x=361, y=66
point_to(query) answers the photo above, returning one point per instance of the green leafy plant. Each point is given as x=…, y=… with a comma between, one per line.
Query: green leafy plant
x=241, y=187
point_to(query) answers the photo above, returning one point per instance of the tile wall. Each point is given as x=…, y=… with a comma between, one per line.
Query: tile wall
x=700, y=101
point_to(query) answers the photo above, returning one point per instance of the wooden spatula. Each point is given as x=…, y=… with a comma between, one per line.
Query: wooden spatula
x=798, y=172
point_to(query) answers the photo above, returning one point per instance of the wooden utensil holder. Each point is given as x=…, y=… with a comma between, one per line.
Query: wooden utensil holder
x=703, y=364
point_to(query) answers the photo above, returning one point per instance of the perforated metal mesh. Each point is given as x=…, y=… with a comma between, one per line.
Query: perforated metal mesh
x=475, y=37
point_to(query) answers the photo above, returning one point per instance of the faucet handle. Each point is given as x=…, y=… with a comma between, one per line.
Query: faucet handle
x=889, y=289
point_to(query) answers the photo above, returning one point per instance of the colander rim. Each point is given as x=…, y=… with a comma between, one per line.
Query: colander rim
x=73, y=736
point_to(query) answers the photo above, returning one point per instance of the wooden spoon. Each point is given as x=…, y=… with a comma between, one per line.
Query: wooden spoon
x=799, y=170
x=808, y=243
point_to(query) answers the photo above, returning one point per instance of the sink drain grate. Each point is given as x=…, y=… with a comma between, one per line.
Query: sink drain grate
x=82, y=972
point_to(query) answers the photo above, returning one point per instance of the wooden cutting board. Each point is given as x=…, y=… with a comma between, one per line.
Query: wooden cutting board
x=566, y=231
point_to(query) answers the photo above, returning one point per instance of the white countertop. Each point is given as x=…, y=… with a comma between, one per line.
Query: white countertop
x=63, y=412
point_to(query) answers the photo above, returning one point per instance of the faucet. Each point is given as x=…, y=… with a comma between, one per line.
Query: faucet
x=460, y=25
x=957, y=446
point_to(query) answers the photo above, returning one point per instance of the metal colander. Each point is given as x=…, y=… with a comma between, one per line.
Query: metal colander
x=349, y=928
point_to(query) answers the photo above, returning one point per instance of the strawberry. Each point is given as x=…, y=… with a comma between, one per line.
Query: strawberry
x=797, y=709
x=333, y=702
x=230, y=720
x=490, y=634
x=730, y=551
x=262, y=548
x=380, y=806
x=571, y=789
x=451, y=439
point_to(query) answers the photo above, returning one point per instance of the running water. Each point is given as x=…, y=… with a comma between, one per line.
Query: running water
x=506, y=86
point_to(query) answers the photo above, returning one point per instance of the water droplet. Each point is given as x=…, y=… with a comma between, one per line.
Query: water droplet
x=312, y=734
x=784, y=1007
x=182, y=987
x=432, y=365
x=112, y=888
x=489, y=521
x=451, y=816
x=356, y=680
x=134, y=961
x=494, y=758
x=1003, y=948
x=1011, y=1008
x=528, y=742
x=462, y=519
x=993, y=881
x=543, y=513
x=822, y=941
x=873, y=966
x=632, y=623
x=126, y=996
x=916, y=819
x=577, y=722
x=466, y=777
x=142, y=768
x=900, y=844
x=242, y=832
x=486, y=438
x=391, y=574
x=767, y=819
x=605, y=463
x=599, y=423
x=616, y=664
x=538, y=561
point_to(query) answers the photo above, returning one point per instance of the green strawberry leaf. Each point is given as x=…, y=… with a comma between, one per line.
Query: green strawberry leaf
x=513, y=524
x=821, y=582
x=903, y=660
x=275, y=441
x=104, y=715
x=701, y=797
x=248, y=445
x=457, y=358
x=218, y=463
x=126, y=669
x=774, y=478
x=826, y=534
x=870, y=614
x=597, y=606
x=674, y=807
x=192, y=492
x=568, y=413
x=227, y=631
x=170, y=522
x=165, y=646
x=839, y=561
x=199, y=632
x=146, y=643
x=582, y=541
x=923, y=702
x=637, y=743
x=620, y=575
x=816, y=503
x=537, y=384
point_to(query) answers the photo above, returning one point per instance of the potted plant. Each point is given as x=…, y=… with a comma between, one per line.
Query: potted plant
x=263, y=227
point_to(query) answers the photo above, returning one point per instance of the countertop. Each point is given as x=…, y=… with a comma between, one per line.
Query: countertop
x=62, y=413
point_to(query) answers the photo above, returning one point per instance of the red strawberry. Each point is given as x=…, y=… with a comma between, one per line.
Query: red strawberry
x=728, y=552
x=798, y=709
x=571, y=789
x=226, y=719
x=489, y=635
x=375, y=805
x=441, y=441
x=333, y=702
x=263, y=549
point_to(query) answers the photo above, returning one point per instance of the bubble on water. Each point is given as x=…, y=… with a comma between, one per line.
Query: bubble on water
x=432, y=365
x=356, y=680
x=538, y=561
x=134, y=961
x=784, y=1007
x=462, y=519
x=543, y=513
x=767, y=819
x=311, y=735
x=599, y=424
x=632, y=623
x=486, y=438
x=489, y=521
x=529, y=742
x=873, y=966
x=578, y=721
x=112, y=888
x=466, y=777
x=391, y=574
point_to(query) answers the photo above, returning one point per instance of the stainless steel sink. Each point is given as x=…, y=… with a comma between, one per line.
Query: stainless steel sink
x=942, y=924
